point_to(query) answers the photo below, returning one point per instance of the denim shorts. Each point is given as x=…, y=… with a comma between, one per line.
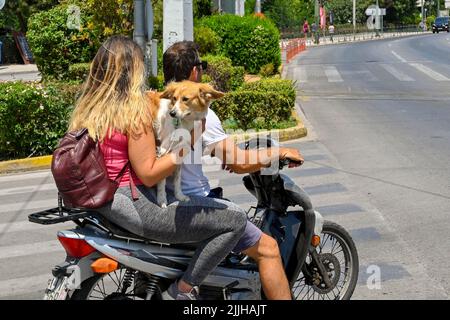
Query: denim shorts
x=252, y=233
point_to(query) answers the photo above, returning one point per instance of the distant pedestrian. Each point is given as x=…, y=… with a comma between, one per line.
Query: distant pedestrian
x=331, y=32
x=306, y=28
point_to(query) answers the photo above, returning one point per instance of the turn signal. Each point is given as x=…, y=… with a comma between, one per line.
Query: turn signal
x=104, y=265
x=315, y=241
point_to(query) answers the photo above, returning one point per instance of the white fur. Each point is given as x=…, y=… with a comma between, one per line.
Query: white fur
x=164, y=128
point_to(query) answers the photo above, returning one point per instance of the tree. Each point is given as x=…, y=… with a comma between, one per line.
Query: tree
x=16, y=13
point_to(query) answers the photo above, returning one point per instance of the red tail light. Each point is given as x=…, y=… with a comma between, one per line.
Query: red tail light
x=76, y=248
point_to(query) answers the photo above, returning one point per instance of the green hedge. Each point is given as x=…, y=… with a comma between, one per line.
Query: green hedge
x=264, y=104
x=223, y=76
x=281, y=86
x=33, y=117
x=79, y=71
x=56, y=47
x=253, y=109
x=249, y=41
x=207, y=40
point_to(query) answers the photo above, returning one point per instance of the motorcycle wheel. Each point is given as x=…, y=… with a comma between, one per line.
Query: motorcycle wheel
x=337, y=252
x=110, y=287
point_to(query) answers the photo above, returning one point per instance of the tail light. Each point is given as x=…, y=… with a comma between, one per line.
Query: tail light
x=76, y=248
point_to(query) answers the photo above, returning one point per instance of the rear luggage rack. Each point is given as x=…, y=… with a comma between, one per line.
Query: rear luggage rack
x=59, y=215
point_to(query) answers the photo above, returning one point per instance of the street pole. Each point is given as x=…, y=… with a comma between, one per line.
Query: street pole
x=377, y=19
x=438, y=14
x=316, y=18
x=354, y=19
x=423, y=23
x=258, y=6
x=139, y=23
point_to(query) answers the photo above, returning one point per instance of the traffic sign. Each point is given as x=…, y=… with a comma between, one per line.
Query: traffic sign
x=373, y=11
x=2, y=4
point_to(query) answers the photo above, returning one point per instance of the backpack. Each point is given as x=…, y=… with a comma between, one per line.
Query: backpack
x=80, y=173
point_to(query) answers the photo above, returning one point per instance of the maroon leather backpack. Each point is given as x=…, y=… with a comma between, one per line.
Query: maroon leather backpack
x=80, y=173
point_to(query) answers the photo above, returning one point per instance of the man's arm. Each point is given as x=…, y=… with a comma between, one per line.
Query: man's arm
x=247, y=161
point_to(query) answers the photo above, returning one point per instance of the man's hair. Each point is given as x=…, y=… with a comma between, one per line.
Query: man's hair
x=178, y=61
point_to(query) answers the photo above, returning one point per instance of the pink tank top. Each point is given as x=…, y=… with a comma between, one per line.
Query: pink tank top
x=115, y=153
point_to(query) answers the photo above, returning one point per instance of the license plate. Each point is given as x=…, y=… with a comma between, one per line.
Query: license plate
x=57, y=288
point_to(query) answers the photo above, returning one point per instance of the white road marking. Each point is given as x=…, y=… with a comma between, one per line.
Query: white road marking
x=26, y=225
x=21, y=286
x=300, y=74
x=396, y=73
x=332, y=74
x=26, y=176
x=429, y=72
x=30, y=249
x=38, y=204
x=30, y=189
x=398, y=57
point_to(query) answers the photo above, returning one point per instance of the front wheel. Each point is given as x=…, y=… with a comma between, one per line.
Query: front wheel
x=338, y=255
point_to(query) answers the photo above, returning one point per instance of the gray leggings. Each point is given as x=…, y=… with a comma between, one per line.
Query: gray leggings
x=217, y=225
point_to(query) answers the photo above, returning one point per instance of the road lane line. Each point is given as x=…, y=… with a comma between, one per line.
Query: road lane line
x=21, y=286
x=332, y=74
x=27, y=176
x=30, y=189
x=398, y=57
x=26, y=225
x=300, y=74
x=29, y=249
x=429, y=72
x=396, y=73
x=30, y=205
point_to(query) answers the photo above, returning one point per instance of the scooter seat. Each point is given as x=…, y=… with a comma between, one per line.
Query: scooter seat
x=118, y=231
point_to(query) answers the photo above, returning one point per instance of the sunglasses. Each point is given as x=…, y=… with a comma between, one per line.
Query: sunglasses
x=204, y=64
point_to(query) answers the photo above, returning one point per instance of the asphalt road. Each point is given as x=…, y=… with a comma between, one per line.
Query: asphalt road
x=382, y=110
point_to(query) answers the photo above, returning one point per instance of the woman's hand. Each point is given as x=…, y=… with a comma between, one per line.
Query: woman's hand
x=292, y=154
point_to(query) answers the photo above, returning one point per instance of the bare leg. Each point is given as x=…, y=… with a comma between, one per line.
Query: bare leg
x=273, y=278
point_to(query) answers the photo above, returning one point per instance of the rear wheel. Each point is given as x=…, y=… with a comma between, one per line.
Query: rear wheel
x=337, y=253
x=122, y=284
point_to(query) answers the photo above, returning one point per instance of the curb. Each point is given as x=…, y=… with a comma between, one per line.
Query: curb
x=44, y=162
x=27, y=164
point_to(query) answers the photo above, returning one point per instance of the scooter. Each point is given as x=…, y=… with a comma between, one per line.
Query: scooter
x=106, y=262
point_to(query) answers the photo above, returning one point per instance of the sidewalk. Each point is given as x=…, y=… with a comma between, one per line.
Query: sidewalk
x=366, y=36
x=25, y=72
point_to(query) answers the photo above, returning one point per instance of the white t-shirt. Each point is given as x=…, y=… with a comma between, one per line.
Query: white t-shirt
x=193, y=181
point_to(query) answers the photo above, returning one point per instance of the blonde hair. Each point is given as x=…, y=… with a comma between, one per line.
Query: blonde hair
x=112, y=97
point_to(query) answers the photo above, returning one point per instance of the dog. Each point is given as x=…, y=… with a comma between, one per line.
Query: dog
x=179, y=106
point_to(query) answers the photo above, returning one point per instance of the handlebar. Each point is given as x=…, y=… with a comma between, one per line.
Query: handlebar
x=287, y=161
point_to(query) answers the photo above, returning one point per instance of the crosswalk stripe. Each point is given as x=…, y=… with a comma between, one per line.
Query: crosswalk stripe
x=30, y=189
x=332, y=74
x=429, y=72
x=398, y=56
x=300, y=74
x=26, y=176
x=20, y=286
x=38, y=204
x=20, y=226
x=396, y=73
x=30, y=249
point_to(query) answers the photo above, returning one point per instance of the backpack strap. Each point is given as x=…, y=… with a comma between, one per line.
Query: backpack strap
x=134, y=192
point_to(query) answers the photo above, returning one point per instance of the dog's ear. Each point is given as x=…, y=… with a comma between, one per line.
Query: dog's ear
x=169, y=91
x=209, y=93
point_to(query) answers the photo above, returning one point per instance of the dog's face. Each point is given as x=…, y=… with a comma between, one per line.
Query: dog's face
x=190, y=100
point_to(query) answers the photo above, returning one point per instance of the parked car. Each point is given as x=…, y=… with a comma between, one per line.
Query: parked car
x=441, y=24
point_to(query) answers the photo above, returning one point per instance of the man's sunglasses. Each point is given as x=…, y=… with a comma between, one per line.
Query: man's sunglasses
x=204, y=65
